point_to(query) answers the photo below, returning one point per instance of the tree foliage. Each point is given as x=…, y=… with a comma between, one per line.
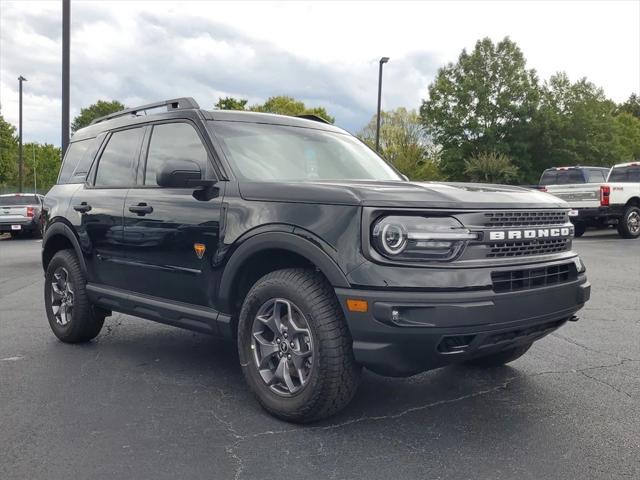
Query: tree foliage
x=631, y=106
x=405, y=143
x=482, y=103
x=490, y=167
x=281, y=105
x=98, y=109
x=8, y=152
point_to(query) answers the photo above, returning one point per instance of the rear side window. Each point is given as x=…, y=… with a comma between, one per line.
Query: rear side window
x=625, y=174
x=597, y=176
x=77, y=153
x=173, y=141
x=115, y=167
x=562, y=177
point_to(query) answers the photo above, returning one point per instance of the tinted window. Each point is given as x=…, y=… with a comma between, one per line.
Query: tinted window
x=19, y=200
x=273, y=152
x=116, y=161
x=173, y=141
x=75, y=153
x=625, y=174
x=597, y=176
x=562, y=177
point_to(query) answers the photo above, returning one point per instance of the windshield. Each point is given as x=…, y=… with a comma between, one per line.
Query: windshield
x=562, y=177
x=275, y=152
x=19, y=200
x=625, y=174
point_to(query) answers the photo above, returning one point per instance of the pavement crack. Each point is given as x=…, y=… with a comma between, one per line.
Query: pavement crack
x=585, y=347
x=602, y=382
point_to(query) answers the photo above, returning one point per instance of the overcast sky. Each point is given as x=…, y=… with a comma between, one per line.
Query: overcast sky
x=324, y=53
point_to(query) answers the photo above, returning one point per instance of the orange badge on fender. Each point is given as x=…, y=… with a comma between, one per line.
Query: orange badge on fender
x=199, y=248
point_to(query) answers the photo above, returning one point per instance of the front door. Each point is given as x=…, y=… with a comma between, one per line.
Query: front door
x=98, y=206
x=170, y=237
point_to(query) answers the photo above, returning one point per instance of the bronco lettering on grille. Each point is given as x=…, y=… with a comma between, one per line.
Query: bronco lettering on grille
x=532, y=234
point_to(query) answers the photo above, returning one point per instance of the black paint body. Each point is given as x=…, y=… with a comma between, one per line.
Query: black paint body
x=146, y=265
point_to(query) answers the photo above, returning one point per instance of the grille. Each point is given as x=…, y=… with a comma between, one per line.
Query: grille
x=517, y=334
x=514, y=280
x=526, y=248
x=526, y=218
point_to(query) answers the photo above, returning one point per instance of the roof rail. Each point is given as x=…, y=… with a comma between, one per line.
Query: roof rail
x=183, y=103
x=315, y=118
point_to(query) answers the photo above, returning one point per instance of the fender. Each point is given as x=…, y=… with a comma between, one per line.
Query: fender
x=61, y=228
x=283, y=241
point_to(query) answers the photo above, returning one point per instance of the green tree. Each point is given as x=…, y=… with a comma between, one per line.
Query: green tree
x=482, y=103
x=230, y=103
x=577, y=124
x=490, y=167
x=632, y=106
x=284, y=105
x=405, y=143
x=45, y=159
x=8, y=152
x=98, y=109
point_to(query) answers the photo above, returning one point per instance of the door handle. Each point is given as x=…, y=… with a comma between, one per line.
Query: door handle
x=141, y=209
x=82, y=208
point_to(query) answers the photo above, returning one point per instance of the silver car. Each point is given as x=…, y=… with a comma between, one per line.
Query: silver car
x=21, y=213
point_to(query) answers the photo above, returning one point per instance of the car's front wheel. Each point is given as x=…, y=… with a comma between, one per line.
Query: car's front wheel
x=629, y=224
x=295, y=347
x=71, y=316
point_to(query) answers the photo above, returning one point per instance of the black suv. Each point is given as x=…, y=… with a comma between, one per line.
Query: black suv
x=296, y=240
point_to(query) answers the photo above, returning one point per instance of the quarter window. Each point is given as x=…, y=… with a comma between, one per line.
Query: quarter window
x=115, y=168
x=76, y=152
x=173, y=141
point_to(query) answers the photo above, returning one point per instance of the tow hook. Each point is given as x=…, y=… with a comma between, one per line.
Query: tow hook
x=574, y=318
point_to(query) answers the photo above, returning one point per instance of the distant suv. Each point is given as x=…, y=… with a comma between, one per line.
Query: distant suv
x=298, y=241
x=580, y=188
x=20, y=213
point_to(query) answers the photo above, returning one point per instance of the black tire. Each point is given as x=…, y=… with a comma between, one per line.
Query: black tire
x=14, y=234
x=334, y=374
x=37, y=232
x=580, y=228
x=500, y=358
x=84, y=323
x=628, y=226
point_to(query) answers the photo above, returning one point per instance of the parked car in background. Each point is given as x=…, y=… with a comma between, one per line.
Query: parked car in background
x=20, y=213
x=620, y=196
x=580, y=188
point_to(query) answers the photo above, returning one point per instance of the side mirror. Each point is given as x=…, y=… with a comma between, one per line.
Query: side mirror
x=181, y=174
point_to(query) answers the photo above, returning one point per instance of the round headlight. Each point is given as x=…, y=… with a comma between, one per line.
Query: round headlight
x=394, y=238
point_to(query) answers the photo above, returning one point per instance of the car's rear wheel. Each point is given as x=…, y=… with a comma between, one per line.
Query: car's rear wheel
x=500, y=358
x=629, y=224
x=580, y=229
x=71, y=316
x=295, y=347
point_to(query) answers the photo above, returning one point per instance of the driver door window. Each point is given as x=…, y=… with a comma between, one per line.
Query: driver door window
x=173, y=141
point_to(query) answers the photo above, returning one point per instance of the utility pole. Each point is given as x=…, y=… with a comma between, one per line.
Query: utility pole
x=66, y=23
x=20, y=159
x=35, y=177
x=383, y=60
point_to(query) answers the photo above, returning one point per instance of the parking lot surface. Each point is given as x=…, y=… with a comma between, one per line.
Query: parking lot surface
x=149, y=401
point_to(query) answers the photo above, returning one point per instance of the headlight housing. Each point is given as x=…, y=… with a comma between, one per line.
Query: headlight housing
x=420, y=239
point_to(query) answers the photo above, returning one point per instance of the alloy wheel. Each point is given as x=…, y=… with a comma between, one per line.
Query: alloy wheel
x=282, y=346
x=633, y=222
x=62, y=296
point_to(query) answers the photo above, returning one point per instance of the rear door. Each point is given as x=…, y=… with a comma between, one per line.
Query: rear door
x=96, y=208
x=574, y=186
x=171, y=238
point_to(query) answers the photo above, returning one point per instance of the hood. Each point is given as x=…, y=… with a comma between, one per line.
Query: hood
x=401, y=194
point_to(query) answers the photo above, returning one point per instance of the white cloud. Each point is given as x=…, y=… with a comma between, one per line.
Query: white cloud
x=323, y=53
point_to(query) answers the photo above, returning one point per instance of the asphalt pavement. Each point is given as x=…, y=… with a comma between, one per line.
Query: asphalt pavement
x=147, y=401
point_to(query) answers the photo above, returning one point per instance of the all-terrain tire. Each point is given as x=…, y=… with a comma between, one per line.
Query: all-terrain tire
x=334, y=374
x=628, y=226
x=85, y=322
x=500, y=358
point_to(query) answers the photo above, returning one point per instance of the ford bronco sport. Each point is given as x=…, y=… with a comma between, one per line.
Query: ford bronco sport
x=298, y=241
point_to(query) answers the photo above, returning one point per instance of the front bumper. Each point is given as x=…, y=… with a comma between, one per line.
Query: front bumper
x=407, y=332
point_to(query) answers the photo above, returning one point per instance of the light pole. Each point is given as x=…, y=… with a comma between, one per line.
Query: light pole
x=66, y=22
x=20, y=159
x=383, y=60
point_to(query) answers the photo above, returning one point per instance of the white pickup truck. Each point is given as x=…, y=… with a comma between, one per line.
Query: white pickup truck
x=621, y=197
x=580, y=188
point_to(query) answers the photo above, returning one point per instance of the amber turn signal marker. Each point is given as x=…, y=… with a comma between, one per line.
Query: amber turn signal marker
x=357, y=305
